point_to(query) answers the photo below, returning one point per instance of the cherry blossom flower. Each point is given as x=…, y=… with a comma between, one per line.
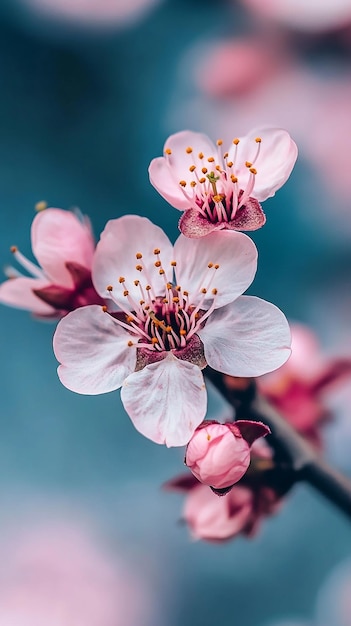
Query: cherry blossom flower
x=299, y=387
x=178, y=310
x=217, y=519
x=219, y=454
x=222, y=190
x=63, y=244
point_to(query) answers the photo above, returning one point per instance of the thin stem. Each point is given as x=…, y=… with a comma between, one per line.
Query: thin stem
x=290, y=448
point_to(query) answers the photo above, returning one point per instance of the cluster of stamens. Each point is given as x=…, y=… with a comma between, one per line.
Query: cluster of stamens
x=214, y=189
x=167, y=321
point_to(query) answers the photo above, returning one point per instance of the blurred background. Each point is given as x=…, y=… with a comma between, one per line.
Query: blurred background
x=89, y=92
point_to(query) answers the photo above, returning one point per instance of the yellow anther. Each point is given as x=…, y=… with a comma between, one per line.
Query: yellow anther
x=218, y=168
x=154, y=340
x=202, y=180
x=169, y=329
x=109, y=288
x=208, y=437
x=141, y=302
x=182, y=183
x=169, y=285
x=192, y=168
x=104, y=308
x=203, y=290
x=214, y=291
x=129, y=319
x=165, y=301
x=236, y=141
x=234, y=179
x=41, y=206
x=219, y=142
x=210, y=159
x=182, y=332
x=139, y=268
x=175, y=299
x=13, y=249
x=146, y=307
x=157, y=263
x=218, y=197
x=189, y=150
x=253, y=170
x=168, y=151
x=193, y=183
x=230, y=163
x=136, y=283
x=186, y=293
x=197, y=316
x=210, y=265
x=157, y=250
x=126, y=292
x=225, y=155
x=248, y=163
x=173, y=263
x=148, y=287
x=121, y=279
x=216, y=266
x=178, y=288
x=130, y=344
x=258, y=139
x=139, y=255
x=204, y=170
x=161, y=271
x=201, y=155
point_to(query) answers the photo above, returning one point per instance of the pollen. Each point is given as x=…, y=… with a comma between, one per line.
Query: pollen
x=139, y=268
x=138, y=255
x=141, y=302
x=201, y=155
x=175, y=299
x=236, y=141
x=157, y=250
x=169, y=329
x=129, y=319
x=182, y=183
x=248, y=163
x=202, y=180
x=225, y=155
x=121, y=279
x=192, y=168
x=168, y=151
x=230, y=163
x=169, y=285
x=13, y=249
x=204, y=290
x=178, y=288
x=109, y=288
x=216, y=266
x=234, y=179
x=40, y=206
x=157, y=264
x=161, y=271
x=165, y=300
x=130, y=344
x=136, y=283
x=219, y=142
x=148, y=287
x=193, y=183
x=204, y=170
x=210, y=265
x=186, y=293
x=154, y=340
x=126, y=292
x=253, y=170
x=208, y=437
x=189, y=150
x=214, y=292
x=210, y=159
x=104, y=308
x=258, y=139
x=218, y=198
x=218, y=168
x=182, y=332
x=173, y=263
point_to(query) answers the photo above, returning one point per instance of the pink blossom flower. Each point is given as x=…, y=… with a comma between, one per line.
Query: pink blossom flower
x=315, y=16
x=215, y=519
x=64, y=246
x=219, y=454
x=222, y=190
x=178, y=310
x=297, y=389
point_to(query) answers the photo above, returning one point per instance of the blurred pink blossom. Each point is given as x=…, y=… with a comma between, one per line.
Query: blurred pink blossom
x=179, y=308
x=56, y=574
x=93, y=12
x=311, y=15
x=222, y=190
x=298, y=388
x=64, y=246
x=219, y=454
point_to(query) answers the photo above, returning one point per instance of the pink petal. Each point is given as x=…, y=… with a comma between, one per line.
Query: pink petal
x=166, y=400
x=278, y=153
x=249, y=217
x=59, y=236
x=165, y=173
x=115, y=257
x=93, y=351
x=236, y=255
x=249, y=337
x=19, y=293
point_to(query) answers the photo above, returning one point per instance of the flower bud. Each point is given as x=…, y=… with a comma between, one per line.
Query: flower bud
x=219, y=454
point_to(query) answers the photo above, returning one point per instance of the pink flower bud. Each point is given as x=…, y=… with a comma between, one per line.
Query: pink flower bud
x=219, y=454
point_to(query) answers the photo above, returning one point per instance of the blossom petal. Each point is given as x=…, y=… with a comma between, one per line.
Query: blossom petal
x=115, y=257
x=93, y=351
x=249, y=217
x=278, y=153
x=59, y=236
x=166, y=172
x=236, y=255
x=19, y=293
x=166, y=400
x=248, y=337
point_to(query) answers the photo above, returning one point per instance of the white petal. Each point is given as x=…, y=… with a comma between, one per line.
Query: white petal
x=166, y=182
x=115, y=257
x=236, y=256
x=278, y=153
x=18, y=292
x=166, y=401
x=93, y=351
x=248, y=337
